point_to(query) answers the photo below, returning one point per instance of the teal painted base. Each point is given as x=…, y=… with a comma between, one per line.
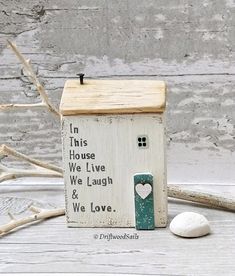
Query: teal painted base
x=144, y=204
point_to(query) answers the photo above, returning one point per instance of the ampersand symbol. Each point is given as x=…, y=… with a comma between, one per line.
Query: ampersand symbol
x=74, y=195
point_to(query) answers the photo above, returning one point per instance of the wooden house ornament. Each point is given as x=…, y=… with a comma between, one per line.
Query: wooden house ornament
x=113, y=134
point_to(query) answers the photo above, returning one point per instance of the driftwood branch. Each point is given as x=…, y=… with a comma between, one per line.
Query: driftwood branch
x=41, y=169
x=20, y=106
x=38, y=215
x=47, y=170
x=33, y=78
x=207, y=199
x=174, y=191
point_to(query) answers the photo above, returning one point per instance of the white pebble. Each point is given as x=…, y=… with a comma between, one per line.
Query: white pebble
x=190, y=225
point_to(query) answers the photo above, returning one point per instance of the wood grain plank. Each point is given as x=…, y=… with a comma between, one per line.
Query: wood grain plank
x=52, y=247
x=113, y=96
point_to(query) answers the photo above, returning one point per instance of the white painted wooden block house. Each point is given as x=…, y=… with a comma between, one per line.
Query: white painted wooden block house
x=112, y=132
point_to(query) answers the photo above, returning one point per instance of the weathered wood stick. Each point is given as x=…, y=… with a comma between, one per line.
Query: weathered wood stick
x=210, y=200
x=41, y=169
x=48, y=170
x=39, y=214
x=9, y=173
x=33, y=78
x=5, y=150
x=18, y=106
x=174, y=191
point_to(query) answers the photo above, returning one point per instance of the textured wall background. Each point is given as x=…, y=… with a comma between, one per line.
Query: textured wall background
x=189, y=44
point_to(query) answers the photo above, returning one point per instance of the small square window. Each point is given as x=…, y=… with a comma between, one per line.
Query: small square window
x=142, y=141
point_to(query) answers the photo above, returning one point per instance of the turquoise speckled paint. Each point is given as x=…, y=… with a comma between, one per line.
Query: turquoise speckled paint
x=144, y=204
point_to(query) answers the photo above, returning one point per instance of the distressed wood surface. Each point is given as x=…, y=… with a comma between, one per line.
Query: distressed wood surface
x=113, y=96
x=186, y=43
x=52, y=247
x=112, y=139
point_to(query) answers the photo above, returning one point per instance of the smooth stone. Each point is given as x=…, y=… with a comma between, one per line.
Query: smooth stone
x=190, y=225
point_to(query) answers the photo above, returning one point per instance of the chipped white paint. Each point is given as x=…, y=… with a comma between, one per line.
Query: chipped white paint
x=228, y=102
x=230, y=3
x=200, y=164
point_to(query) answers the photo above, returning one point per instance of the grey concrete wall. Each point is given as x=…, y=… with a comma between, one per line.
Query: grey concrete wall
x=189, y=44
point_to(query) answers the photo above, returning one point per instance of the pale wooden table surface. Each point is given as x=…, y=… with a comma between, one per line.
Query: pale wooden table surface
x=50, y=246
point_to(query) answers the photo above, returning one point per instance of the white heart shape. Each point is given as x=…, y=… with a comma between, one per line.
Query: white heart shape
x=143, y=190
